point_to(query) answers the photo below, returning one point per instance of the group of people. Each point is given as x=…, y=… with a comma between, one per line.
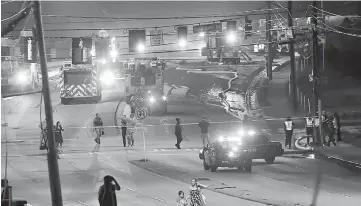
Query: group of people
x=331, y=127
x=204, y=126
x=107, y=194
x=128, y=129
x=58, y=129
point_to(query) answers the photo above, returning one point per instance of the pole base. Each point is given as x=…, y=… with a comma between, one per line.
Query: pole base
x=143, y=160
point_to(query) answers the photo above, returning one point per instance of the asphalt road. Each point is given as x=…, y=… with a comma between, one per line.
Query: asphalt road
x=82, y=165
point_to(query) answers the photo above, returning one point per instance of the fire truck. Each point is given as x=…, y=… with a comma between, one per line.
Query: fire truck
x=218, y=50
x=110, y=73
x=80, y=82
x=144, y=80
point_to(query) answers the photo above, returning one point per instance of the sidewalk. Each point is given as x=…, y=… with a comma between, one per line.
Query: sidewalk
x=280, y=107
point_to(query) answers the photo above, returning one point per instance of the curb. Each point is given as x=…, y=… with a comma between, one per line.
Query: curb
x=349, y=165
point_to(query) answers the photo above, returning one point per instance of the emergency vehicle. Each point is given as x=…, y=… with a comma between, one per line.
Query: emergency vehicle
x=144, y=80
x=218, y=50
x=110, y=73
x=79, y=82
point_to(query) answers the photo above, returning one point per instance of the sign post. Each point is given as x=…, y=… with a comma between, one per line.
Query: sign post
x=141, y=114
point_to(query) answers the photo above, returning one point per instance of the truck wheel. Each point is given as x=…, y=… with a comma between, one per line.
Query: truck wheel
x=270, y=160
x=214, y=168
x=205, y=166
x=248, y=166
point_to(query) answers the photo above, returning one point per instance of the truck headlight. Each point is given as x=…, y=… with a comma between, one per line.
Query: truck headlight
x=164, y=98
x=152, y=99
x=221, y=139
x=251, y=132
x=107, y=78
x=21, y=77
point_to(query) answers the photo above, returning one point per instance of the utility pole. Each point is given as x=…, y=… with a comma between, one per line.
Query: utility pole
x=292, y=57
x=315, y=72
x=53, y=167
x=269, y=40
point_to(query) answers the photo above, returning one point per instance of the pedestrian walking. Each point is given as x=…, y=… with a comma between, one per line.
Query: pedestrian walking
x=59, y=136
x=106, y=194
x=316, y=128
x=325, y=126
x=337, y=125
x=204, y=125
x=181, y=200
x=196, y=197
x=124, y=129
x=288, y=128
x=130, y=132
x=178, y=133
x=331, y=132
x=309, y=128
x=98, y=128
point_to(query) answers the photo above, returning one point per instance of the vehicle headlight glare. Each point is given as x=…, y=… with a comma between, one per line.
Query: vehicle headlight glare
x=21, y=77
x=107, y=78
x=221, y=139
x=103, y=61
x=241, y=132
x=152, y=99
x=231, y=154
x=251, y=132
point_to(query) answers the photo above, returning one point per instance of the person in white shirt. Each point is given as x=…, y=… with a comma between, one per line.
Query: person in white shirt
x=288, y=128
x=316, y=127
x=309, y=127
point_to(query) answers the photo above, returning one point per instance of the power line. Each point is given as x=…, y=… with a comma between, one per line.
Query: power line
x=235, y=14
x=22, y=10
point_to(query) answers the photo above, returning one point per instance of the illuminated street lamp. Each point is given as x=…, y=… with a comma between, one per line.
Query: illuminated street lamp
x=182, y=43
x=201, y=34
x=140, y=47
x=113, y=53
x=231, y=37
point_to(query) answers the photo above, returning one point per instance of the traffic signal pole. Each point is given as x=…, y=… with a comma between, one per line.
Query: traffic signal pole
x=292, y=58
x=316, y=76
x=53, y=167
x=269, y=39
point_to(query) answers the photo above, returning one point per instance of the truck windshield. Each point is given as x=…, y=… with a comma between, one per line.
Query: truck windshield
x=77, y=77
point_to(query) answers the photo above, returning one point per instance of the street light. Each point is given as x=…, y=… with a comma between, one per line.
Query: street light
x=141, y=47
x=182, y=43
x=231, y=37
x=201, y=34
x=113, y=53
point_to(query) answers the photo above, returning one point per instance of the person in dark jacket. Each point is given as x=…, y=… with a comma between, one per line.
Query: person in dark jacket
x=58, y=135
x=124, y=130
x=106, y=194
x=98, y=127
x=337, y=125
x=331, y=132
x=178, y=133
x=204, y=125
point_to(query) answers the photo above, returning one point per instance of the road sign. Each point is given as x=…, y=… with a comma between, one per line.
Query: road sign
x=207, y=28
x=156, y=37
x=141, y=113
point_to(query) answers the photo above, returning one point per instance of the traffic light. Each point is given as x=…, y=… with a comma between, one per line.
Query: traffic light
x=136, y=40
x=232, y=26
x=247, y=27
x=182, y=36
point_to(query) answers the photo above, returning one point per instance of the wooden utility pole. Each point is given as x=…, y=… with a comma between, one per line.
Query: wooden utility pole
x=269, y=40
x=292, y=58
x=315, y=72
x=53, y=167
